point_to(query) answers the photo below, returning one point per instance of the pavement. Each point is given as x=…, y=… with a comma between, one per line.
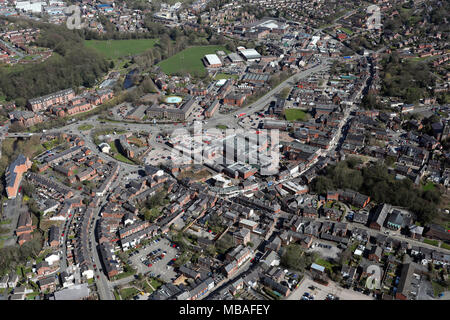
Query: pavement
x=159, y=268
x=322, y=291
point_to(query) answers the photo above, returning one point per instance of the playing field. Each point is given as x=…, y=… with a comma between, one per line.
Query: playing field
x=114, y=49
x=295, y=114
x=189, y=60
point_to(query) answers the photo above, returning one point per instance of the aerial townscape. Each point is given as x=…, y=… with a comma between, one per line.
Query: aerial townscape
x=224, y=150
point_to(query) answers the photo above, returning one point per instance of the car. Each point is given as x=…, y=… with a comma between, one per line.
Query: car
x=98, y=277
x=306, y=294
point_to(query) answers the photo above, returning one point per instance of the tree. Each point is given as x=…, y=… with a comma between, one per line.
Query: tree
x=294, y=257
x=28, y=189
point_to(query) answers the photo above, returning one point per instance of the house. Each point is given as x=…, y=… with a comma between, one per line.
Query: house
x=12, y=280
x=48, y=283
x=416, y=232
x=375, y=253
x=361, y=217
x=242, y=236
x=43, y=268
x=53, y=236
x=24, y=228
x=4, y=282
x=379, y=216
x=270, y=258
x=348, y=272
x=437, y=232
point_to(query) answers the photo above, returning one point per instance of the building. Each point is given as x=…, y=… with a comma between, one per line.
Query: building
x=379, y=216
x=25, y=118
x=250, y=54
x=409, y=282
x=234, y=99
x=44, y=102
x=395, y=220
x=125, y=147
x=14, y=173
x=172, y=113
x=242, y=236
x=212, y=61
x=53, y=236
x=212, y=108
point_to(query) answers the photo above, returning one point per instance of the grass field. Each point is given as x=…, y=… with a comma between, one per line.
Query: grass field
x=85, y=127
x=128, y=293
x=295, y=114
x=347, y=31
x=114, y=49
x=432, y=242
x=428, y=186
x=189, y=60
x=220, y=76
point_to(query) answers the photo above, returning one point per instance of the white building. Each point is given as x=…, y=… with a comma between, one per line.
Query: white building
x=250, y=54
x=33, y=6
x=104, y=147
x=52, y=258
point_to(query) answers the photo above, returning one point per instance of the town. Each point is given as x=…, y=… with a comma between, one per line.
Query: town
x=225, y=150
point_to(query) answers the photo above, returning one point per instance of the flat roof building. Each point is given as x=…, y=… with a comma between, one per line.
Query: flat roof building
x=212, y=61
x=250, y=54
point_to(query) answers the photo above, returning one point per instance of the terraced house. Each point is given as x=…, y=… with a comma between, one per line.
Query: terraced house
x=44, y=102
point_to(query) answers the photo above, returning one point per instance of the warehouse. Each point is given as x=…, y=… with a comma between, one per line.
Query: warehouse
x=212, y=61
x=250, y=54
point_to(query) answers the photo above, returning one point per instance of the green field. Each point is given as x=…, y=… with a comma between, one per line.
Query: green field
x=347, y=31
x=189, y=60
x=114, y=49
x=295, y=114
x=220, y=76
x=428, y=186
x=432, y=242
x=85, y=127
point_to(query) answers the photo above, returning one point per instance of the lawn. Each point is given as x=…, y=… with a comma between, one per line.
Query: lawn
x=7, y=221
x=445, y=246
x=295, y=114
x=189, y=60
x=324, y=263
x=221, y=126
x=428, y=186
x=85, y=127
x=437, y=288
x=432, y=242
x=220, y=76
x=114, y=49
x=128, y=293
x=347, y=31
